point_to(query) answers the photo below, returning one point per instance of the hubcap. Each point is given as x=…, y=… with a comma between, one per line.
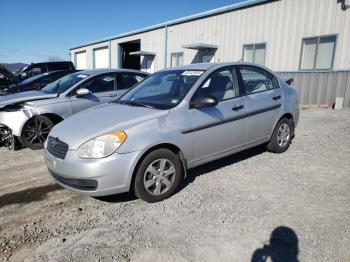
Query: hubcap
x=159, y=177
x=36, y=132
x=283, y=135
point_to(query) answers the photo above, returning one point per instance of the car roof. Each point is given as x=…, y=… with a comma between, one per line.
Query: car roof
x=207, y=66
x=109, y=70
x=199, y=66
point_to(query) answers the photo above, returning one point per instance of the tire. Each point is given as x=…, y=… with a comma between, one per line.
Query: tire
x=36, y=131
x=281, y=137
x=151, y=184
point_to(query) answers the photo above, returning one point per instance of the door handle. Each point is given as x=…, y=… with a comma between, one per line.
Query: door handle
x=276, y=98
x=237, y=108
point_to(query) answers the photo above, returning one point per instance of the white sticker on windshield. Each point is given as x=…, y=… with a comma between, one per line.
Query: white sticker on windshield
x=82, y=76
x=174, y=101
x=192, y=73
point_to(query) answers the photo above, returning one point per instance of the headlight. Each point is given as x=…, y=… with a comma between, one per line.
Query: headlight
x=102, y=146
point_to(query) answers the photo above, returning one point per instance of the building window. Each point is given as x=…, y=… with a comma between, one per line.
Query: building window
x=177, y=59
x=318, y=53
x=254, y=53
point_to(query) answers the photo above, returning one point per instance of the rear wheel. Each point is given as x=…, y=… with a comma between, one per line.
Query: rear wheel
x=36, y=131
x=158, y=176
x=281, y=137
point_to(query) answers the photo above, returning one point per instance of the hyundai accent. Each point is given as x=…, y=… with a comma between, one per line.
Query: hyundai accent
x=174, y=120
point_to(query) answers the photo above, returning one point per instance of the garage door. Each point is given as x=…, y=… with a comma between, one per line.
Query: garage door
x=101, y=58
x=80, y=60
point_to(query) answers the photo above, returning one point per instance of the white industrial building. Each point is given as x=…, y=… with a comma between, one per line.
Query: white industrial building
x=285, y=35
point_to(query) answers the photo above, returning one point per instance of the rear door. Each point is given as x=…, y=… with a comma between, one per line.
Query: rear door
x=218, y=130
x=127, y=80
x=264, y=101
x=102, y=88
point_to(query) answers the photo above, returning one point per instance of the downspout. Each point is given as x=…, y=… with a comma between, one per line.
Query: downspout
x=166, y=47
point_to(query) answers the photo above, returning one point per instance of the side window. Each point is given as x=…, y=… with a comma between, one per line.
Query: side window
x=128, y=80
x=36, y=70
x=222, y=84
x=257, y=80
x=101, y=83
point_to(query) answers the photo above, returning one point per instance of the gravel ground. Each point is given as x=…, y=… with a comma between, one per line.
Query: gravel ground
x=225, y=211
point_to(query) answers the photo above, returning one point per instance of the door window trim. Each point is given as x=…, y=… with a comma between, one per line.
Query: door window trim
x=241, y=83
x=233, y=70
x=72, y=93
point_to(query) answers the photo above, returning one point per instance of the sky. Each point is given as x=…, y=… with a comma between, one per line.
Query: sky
x=39, y=30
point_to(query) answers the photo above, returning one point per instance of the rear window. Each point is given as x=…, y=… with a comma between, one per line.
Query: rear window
x=58, y=66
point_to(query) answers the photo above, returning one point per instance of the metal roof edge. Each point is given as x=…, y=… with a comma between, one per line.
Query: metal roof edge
x=216, y=11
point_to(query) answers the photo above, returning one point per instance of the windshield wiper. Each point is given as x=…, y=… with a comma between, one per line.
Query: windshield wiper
x=133, y=103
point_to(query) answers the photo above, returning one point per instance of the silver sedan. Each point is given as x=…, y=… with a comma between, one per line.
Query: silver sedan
x=174, y=120
x=30, y=116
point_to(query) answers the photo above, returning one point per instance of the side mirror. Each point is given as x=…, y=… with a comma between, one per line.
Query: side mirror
x=82, y=92
x=204, y=101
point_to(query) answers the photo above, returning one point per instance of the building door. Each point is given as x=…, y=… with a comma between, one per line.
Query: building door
x=80, y=61
x=101, y=58
x=207, y=58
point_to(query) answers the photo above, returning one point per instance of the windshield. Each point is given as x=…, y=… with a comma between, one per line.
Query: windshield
x=18, y=71
x=63, y=84
x=162, y=90
x=33, y=78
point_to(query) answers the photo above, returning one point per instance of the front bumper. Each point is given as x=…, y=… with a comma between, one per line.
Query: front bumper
x=15, y=120
x=93, y=177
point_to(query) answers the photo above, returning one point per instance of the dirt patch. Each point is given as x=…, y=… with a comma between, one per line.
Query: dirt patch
x=240, y=208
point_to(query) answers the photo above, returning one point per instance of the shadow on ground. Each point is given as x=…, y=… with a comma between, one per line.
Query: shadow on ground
x=283, y=246
x=226, y=161
x=28, y=195
x=195, y=172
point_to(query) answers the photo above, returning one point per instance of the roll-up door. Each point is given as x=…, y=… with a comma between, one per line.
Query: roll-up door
x=101, y=58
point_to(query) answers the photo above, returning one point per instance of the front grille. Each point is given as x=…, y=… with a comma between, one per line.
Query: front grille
x=56, y=147
x=80, y=184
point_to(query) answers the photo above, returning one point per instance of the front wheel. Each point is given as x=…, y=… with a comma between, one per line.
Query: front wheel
x=281, y=137
x=158, y=176
x=36, y=131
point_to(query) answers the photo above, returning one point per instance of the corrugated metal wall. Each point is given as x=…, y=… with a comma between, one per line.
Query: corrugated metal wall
x=321, y=87
x=281, y=24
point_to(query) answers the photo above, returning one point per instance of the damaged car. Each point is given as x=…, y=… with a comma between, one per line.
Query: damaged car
x=28, y=117
x=6, y=78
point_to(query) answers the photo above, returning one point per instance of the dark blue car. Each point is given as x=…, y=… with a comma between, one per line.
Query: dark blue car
x=35, y=83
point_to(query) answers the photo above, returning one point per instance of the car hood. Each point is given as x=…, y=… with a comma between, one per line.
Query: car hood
x=101, y=120
x=24, y=97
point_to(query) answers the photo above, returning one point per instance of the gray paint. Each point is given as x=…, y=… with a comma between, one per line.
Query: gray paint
x=253, y=125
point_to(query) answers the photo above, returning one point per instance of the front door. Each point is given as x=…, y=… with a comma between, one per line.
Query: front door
x=218, y=130
x=264, y=102
x=102, y=88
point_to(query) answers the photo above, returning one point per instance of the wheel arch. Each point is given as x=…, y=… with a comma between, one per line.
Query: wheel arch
x=289, y=116
x=55, y=118
x=172, y=147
